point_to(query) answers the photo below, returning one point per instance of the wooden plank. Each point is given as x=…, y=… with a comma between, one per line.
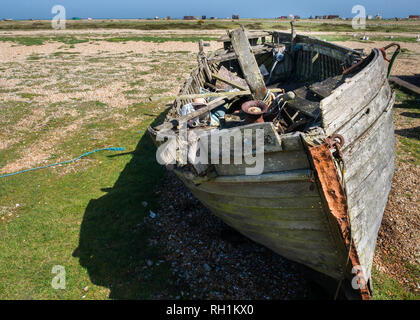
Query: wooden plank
x=263, y=189
x=228, y=55
x=366, y=143
x=248, y=63
x=291, y=141
x=368, y=162
x=407, y=85
x=293, y=175
x=229, y=82
x=360, y=164
x=227, y=139
x=386, y=138
x=269, y=214
x=208, y=95
x=275, y=203
x=273, y=162
x=183, y=119
x=370, y=209
x=368, y=181
x=367, y=116
x=249, y=34
x=352, y=96
x=323, y=44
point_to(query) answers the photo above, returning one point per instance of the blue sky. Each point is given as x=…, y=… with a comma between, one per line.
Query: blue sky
x=41, y=9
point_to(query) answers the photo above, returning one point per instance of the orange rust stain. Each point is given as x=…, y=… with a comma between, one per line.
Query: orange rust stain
x=335, y=196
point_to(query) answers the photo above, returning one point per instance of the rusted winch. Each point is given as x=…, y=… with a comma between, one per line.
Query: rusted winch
x=255, y=110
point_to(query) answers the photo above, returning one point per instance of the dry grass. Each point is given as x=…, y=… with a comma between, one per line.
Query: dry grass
x=63, y=88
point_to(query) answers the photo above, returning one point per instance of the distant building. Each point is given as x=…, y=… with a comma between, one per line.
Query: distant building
x=235, y=16
x=370, y=17
x=212, y=18
x=203, y=17
x=282, y=18
x=168, y=18
x=414, y=17
x=318, y=17
x=188, y=17
x=297, y=16
x=378, y=17
x=332, y=16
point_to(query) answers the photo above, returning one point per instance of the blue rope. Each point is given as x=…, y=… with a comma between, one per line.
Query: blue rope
x=64, y=162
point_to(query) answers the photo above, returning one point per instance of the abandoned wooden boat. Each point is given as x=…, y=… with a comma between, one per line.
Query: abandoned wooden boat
x=328, y=155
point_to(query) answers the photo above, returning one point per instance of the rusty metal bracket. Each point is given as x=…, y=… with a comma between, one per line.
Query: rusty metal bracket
x=335, y=143
x=335, y=198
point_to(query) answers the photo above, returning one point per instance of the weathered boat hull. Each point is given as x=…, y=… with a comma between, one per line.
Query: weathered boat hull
x=284, y=208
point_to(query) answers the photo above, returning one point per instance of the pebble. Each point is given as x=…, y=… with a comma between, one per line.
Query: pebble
x=207, y=267
x=152, y=214
x=210, y=260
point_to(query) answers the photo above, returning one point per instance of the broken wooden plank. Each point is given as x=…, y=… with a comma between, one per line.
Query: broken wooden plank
x=250, y=35
x=229, y=82
x=248, y=63
x=183, y=119
x=228, y=55
x=208, y=95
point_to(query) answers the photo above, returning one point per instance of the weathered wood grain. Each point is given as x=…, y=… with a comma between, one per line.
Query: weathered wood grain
x=352, y=96
x=248, y=63
x=370, y=162
x=366, y=117
x=293, y=175
x=273, y=162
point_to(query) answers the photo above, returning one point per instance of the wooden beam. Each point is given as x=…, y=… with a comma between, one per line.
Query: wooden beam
x=231, y=83
x=405, y=84
x=208, y=95
x=183, y=119
x=250, y=35
x=248, y=63
x=227, y=55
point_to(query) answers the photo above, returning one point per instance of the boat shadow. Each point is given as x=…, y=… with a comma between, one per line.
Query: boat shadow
x=413, y=133
x=114, y=241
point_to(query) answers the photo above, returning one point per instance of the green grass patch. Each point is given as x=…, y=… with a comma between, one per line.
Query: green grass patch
x=28, y=95
x=139, y=82
x=408, y=105
x=33, y=41
x=63, y=53
x=88, y=220
x=25, y=41
x=387, y=288
x=257, y=24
